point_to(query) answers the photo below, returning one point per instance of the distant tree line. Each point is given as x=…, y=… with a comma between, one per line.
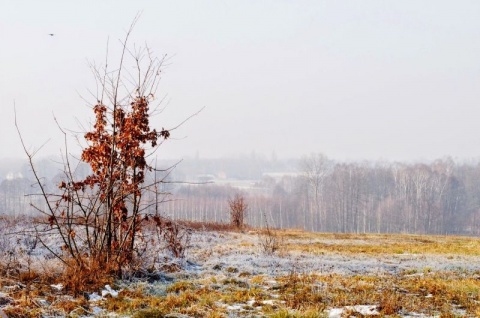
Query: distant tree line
x=439, y=197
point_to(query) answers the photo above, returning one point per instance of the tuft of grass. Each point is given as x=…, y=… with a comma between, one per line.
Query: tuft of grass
x=89, y=276
x=148, y=313
x=236, y=282
x=180, y=286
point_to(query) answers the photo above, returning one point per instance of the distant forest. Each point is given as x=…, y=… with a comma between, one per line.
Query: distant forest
x=313, y=193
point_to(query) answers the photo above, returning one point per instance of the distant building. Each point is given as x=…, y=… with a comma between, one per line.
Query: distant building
x=14, y=175
x=205, y=178
x=277, y=176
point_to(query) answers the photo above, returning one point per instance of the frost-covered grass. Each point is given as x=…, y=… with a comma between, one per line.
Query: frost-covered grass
x=229, y=274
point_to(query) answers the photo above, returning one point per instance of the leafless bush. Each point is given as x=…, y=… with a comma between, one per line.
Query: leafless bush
x=238, y=211
x=175, y=236
x=270, y=242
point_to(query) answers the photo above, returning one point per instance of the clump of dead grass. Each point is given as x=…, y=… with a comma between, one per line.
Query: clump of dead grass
x=87, y=276
x=209, y=226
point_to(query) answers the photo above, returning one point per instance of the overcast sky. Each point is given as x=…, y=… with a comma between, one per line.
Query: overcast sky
x=395, y=80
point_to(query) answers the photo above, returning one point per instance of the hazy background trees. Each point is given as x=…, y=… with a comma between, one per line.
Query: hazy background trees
x=313, y=193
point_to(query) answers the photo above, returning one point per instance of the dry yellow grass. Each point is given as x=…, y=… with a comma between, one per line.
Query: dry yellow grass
x=320, y=243
x=431, y=294
x=310, y=295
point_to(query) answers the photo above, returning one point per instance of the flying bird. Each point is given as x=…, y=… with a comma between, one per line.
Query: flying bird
x=51, y=34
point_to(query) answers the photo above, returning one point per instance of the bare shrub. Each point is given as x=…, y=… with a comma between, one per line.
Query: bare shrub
x=238, y=211
x=270, y=242
x=175, y=235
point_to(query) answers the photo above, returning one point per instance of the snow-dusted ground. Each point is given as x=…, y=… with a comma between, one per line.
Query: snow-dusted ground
x=227, y=254
x=243, y=252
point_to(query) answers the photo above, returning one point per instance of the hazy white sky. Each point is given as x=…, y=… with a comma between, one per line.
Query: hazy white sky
x=397, y=80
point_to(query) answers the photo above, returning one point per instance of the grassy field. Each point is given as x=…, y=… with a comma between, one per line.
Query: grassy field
x=232, y=274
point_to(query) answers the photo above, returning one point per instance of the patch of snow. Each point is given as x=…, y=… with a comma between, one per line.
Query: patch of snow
x=364, y=310
x=335, y=312
x=94, y=297
x=57, y=287
x=270, y=302
x=109, y=291
x=13, y=288
x=97, y=310
x=236, y=307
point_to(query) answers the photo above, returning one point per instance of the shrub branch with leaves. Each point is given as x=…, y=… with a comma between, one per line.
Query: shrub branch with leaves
x=116, y=155
x=99, y=217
